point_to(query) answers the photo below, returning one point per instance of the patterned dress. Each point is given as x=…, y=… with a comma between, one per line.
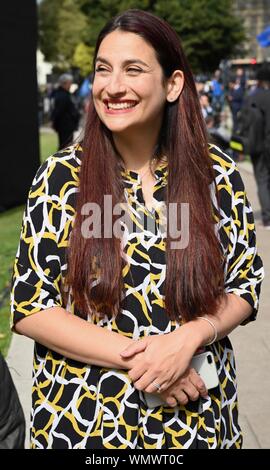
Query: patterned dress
x=78, y=405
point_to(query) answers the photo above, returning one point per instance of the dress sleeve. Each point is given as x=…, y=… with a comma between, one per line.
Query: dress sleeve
x=244, y=270
x=37, y=267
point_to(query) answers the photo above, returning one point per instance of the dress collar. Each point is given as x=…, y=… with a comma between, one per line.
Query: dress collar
x=161, y=173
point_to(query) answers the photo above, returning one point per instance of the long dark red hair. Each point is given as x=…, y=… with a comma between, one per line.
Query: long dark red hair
x=194, y=275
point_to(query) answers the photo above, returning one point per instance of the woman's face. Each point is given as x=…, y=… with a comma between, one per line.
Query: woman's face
x=128, y=89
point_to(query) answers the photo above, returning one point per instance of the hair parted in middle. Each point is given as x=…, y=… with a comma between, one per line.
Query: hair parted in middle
x=194, y=275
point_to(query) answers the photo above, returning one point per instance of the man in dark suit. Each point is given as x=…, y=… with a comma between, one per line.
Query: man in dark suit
x=65, y=116
x=261, y=159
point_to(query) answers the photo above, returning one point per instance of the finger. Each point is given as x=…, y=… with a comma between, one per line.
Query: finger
x=135, y=348
x=147, y=383
x=197, y=381
x=191, y=391
x=171, y=401
x=154, y=387
x=137, y=372
x=181, y=397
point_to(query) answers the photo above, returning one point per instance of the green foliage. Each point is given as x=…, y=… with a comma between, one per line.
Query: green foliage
x=208, y=29
x=62, y=26
x=83, y=58
x=49, y=28
x=72, y=30
x=100, y=11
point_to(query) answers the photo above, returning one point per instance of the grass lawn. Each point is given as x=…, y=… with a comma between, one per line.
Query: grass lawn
x=10, y=222
x=48, y=144
x=10, y=225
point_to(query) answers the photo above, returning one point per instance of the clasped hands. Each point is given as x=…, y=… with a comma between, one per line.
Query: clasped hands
x=163, y=362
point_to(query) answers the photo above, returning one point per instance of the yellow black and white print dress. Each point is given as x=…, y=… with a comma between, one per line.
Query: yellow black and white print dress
x=77, y=405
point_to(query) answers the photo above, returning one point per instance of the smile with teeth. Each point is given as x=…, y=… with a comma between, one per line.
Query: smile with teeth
x=122, y=105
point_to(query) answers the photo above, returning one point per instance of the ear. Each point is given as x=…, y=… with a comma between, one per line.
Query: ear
x=175, y=85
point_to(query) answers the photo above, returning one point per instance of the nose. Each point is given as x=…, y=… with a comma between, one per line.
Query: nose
x=116, y=85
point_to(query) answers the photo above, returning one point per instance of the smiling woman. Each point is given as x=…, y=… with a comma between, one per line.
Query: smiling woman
x=129, y=91
x=118, y=316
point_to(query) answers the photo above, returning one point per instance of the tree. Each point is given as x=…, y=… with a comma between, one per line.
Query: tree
x=48, y=12
x=208, y=29
x=72, y=26
x=99, y=12
x=62, y=26
x=82, y=58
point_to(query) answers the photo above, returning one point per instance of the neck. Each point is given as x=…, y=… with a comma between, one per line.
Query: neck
x=136, y=150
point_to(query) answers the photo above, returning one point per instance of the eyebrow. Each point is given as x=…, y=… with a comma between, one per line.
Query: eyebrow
x=126, y=62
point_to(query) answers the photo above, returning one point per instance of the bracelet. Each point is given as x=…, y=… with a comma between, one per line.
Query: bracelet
x=214, y=328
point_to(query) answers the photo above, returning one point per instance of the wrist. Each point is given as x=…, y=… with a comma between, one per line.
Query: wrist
x=192, y=335
x=214, y=330
x=205, y=330
x=199, y=333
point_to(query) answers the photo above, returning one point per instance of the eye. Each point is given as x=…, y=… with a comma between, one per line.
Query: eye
x=101, y=68
x=134, y=70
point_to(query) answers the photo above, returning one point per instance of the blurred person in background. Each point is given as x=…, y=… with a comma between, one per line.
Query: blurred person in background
x=65, y=115
x=240, y=75
x=12, y=421
x=217, y=135
x=85, y=96
x=235, y=98
x=260, y=155
x=217, y=92
x=207, y=109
